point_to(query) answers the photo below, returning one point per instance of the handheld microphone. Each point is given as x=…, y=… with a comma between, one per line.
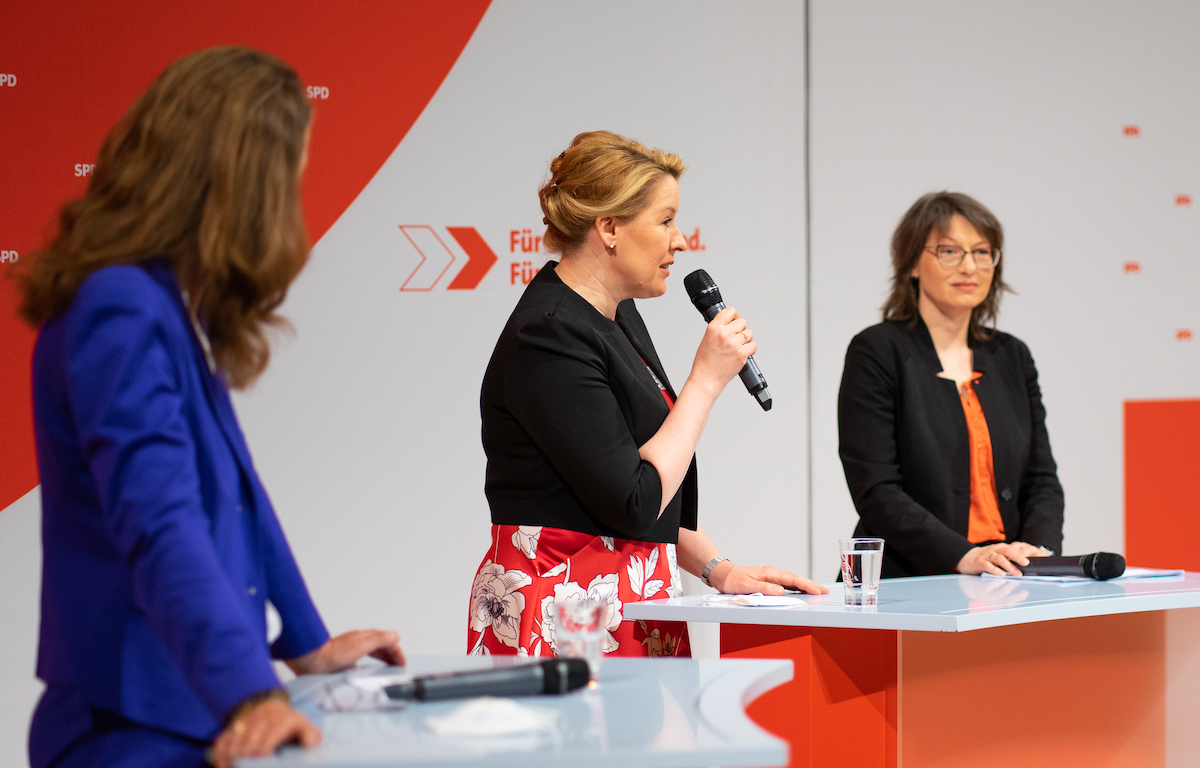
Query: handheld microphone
x=1101, y=566
x=553, y=676
x=706, y=298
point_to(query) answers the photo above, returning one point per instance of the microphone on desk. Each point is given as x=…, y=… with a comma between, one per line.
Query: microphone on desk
x=553, y=676
x=704, y=295
x=1098, y=565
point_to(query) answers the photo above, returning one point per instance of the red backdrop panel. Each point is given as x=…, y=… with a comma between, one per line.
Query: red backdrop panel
x=78, y=66
x=1162, y=497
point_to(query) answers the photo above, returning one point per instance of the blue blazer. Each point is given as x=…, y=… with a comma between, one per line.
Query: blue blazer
x=161, y=548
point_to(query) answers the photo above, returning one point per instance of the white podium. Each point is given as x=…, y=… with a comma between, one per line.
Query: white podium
x=962, y=670
x=657, y=713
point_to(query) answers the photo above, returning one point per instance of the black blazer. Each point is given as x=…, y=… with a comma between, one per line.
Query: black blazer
x=905, y=450
x=566, y=402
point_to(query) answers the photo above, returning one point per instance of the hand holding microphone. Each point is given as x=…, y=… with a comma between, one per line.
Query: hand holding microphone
x=727, y=325
x=728, y=345
x=998, y=559
x=728, y=342
x=1018, y=558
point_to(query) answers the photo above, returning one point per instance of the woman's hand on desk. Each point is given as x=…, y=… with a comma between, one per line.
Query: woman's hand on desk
x=344, y=651
x=998, y=559
x=733, y=579
x=260, y=730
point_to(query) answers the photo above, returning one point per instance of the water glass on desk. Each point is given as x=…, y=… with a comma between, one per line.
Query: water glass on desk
x=862, y=560
x=578, y=630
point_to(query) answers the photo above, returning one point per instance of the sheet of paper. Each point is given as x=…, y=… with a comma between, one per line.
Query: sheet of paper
x=758, y=600
x=489, y=716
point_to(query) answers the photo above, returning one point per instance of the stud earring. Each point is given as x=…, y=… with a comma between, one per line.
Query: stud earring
x=613, y=244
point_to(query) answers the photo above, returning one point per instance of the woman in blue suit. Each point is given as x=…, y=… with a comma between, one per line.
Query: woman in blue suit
x=161, y=547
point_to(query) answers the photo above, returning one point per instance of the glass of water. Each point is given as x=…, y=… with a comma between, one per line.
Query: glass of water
x=579, y=630
x=862, y=560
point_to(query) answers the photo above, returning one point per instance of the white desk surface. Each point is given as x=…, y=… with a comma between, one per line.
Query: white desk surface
x=657, y=713
x=943, y=604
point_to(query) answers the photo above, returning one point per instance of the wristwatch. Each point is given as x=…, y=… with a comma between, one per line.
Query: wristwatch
x=709, y=568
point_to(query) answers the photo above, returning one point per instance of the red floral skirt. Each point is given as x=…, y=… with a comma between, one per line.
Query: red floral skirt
x=528, y=567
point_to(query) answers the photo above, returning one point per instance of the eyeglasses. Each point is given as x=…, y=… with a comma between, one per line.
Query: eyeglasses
x=952, y=256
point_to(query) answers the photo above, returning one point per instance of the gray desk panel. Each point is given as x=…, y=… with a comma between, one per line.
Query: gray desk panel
x=943, y=604
x=658, y=713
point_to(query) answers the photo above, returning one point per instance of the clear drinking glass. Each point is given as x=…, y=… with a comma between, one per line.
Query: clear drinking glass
x=862, y=560
x=578, y=630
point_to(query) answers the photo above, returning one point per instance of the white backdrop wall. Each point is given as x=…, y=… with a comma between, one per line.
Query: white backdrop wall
x=1023, y=105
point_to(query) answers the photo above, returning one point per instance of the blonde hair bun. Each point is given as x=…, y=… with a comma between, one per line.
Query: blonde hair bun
x=600, y=174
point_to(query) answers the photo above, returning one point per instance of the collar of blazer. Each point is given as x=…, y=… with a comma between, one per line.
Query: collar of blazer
x=631, y=322
x=628, y=325
x=918, y=332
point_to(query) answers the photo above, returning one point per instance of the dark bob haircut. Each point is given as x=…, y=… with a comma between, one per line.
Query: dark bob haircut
x=932, y=214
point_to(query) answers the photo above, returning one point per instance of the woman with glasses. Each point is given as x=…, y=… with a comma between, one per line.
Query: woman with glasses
x=942, y=429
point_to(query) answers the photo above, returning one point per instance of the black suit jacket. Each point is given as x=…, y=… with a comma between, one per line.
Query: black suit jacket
x=566, y=402
x=905, y=450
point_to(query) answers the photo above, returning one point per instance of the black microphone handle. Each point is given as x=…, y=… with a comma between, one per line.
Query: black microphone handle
x=751, y=376
x=534, y=679
x=520, y=680
x=1054, y=566
x=1097, y=565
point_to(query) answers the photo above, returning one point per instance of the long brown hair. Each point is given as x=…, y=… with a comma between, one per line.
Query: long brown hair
x=204, y=170
x=600, y=174
x=932, y=213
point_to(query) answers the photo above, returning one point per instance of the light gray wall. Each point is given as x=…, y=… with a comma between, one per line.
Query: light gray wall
x=1021, y=105
x=20, y=580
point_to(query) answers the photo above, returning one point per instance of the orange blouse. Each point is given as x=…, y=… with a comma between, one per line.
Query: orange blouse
x=985, y=521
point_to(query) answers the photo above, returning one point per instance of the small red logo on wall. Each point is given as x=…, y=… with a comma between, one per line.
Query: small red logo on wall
x=1133, y=267
x=525, y=241
x=1131, y=131
x=1183, y=200
x=436, y=258
x=1183, y=334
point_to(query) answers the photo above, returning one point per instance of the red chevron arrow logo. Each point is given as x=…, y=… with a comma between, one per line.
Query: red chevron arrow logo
x=480, y=258
x=436, y=258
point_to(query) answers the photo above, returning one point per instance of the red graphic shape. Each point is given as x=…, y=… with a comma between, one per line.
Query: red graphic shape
x=479, y=259
x=81, y=65
x=1131, y=131
x=1183, y=334
x=1162, y=498
x=1133, y=267
x=1183, y=200
x=436, y=258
